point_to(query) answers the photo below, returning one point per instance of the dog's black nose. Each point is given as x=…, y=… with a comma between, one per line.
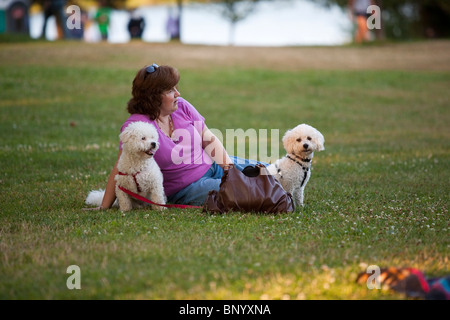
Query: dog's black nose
x=153, y=144
x=306, y=146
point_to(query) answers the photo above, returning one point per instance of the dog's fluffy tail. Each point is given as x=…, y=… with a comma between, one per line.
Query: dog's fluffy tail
x=95, y=197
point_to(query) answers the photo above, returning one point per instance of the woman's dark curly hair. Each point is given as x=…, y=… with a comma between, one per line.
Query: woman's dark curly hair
x=148, y=89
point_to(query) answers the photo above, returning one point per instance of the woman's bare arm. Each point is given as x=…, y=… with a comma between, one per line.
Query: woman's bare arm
x=110, y=191
x=215, y=149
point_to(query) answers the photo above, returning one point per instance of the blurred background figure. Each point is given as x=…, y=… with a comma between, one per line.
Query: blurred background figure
x=296, y=22
x=55, y=8
x=136, y=25
x=14, y=16
x=102, y=18
x=358, y=12
x=173, y=25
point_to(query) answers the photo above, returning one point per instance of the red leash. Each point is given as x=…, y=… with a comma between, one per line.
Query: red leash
x=134, y=177
x=135, y=195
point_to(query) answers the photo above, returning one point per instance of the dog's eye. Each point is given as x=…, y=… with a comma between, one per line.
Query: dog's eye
x=299, y=139
x=143, y=138
x=309, y=138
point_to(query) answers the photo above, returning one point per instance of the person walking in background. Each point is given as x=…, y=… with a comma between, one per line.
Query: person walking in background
x=173, y=25
x=136, y=25
x=102, y=19
x=358, y=12
x=55, y=8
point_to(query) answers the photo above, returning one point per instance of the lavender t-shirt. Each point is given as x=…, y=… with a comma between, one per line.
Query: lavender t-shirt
x=182, y=159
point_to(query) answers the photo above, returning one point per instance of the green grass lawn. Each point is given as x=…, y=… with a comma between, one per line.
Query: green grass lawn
x=378, y=194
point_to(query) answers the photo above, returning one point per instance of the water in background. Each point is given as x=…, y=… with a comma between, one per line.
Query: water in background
x=287, y=23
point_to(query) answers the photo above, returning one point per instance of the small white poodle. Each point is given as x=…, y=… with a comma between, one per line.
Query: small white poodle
x=138, y=171
x=294, y=170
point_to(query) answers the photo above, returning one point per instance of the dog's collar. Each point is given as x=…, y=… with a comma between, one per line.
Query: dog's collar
x=305, y=168
x=301, y=159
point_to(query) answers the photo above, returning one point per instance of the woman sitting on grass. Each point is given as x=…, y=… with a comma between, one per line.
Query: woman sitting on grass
x=191, y=158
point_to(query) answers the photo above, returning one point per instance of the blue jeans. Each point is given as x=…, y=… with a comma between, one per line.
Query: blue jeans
x=196, y=193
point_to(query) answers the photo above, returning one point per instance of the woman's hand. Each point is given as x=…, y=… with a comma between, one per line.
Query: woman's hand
x=99, y=208
x=227, y=167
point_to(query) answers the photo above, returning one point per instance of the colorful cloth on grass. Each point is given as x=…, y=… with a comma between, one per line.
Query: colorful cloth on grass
x=412, y=283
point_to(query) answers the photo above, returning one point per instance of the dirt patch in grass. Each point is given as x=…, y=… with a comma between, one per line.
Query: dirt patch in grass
x=430, y=56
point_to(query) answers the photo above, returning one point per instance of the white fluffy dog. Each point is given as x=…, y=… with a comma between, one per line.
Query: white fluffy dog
x=294, y=170
x=138, y=171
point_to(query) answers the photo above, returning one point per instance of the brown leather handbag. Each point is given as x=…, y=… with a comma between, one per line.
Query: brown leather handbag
x=252, y=190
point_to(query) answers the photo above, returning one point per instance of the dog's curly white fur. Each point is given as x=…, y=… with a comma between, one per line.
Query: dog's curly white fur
x=294, y=170
x=138, y=171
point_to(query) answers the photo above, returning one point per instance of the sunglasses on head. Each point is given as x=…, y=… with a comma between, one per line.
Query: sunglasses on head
x=152, y=68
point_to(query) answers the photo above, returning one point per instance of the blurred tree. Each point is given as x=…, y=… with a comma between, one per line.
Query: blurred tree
x=235, y=11
x=410, y=18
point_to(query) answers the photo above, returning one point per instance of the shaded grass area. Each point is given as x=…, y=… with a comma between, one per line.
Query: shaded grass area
x=378, y=193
